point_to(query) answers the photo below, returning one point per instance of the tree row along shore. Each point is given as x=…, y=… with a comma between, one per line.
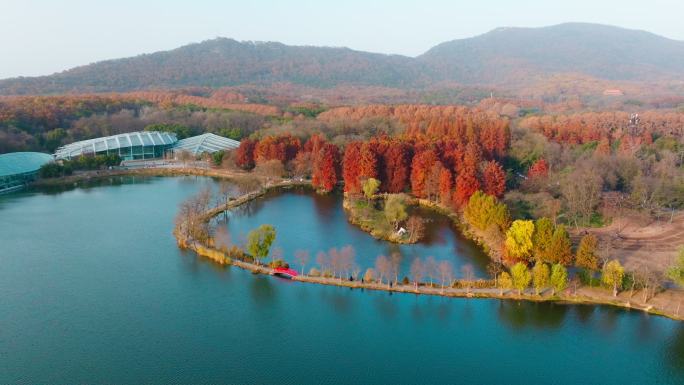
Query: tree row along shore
x=464, y=289
x=666, y=303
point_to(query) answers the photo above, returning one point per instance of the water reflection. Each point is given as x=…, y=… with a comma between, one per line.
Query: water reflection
x=305, y=220
x=261, y=289
x=385, y=305
x=340, y=300
x=521, y=315
x=675, y=349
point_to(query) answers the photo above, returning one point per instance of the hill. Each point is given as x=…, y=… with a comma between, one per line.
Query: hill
x=503, y=57
x=516, y=55
x=224, y=62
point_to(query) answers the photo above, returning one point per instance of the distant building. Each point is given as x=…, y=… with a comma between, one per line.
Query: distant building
x=205, y=143
x=17, y=169
x=145, y=145
x=613, y=92
x=128, y=146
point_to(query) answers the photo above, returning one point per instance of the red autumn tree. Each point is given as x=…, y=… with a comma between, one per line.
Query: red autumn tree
x=445, y=182
x=314, y=143
x=538, y=169
x=326, y=167
x=466, y=181
x=351, y=169
x=494, y=179
x=244, y=155
x=433, y=181
x=283, y=148
x=397, y=162
x=368, y=162
x=466, y=185
x=420, y=168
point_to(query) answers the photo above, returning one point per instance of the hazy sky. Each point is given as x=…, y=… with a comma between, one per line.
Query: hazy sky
x=39, y=37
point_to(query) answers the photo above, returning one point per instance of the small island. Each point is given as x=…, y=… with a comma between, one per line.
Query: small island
x=384, y=216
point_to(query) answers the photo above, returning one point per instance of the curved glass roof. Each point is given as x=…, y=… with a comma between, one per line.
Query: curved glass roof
x=205, y=143
x=22, y=162
x=114, y=142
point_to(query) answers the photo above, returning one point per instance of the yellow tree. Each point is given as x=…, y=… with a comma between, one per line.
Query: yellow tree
x=540, y=276
x=505, y=282
x=521, y=276
x=612, y=275
x=587, y=257
x=559, y=278
x=370, y=187
x=519, y=239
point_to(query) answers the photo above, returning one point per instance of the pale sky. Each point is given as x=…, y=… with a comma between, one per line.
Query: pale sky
x=40, y=37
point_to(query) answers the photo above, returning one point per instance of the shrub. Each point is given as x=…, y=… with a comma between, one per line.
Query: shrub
x=279, y=263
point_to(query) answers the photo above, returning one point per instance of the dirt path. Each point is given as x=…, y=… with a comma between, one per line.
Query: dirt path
x=636, y=242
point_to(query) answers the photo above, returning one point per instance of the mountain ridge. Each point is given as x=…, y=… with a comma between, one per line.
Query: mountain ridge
x=504, y=56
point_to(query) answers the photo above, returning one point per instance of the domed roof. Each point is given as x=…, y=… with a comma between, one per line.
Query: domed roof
x=22, y=162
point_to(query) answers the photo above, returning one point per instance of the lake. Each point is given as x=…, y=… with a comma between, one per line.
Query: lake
x=308, y=221
x=94, y=290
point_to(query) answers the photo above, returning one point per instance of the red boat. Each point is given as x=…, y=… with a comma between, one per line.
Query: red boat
x=284, y=273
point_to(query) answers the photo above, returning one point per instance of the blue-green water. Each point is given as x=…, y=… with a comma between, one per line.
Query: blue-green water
x=94, y=290
x=315, y=223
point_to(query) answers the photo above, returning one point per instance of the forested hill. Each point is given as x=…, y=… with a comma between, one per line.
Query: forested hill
x=222, y=62
x=505, y=56
x=510, y=55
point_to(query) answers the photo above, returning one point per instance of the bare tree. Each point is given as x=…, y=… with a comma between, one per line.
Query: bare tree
x=247, y=184
x=322, y=261
x=272, y=169
x=417, y=271
x=335, y=261
x=356, y=270
x=383, y=268
x=648, y=279
x=226, y=189
x=416, y=228
x=468, y=275
x=446, y=272
x=347, y=255
x=495, y=268
x=582, y=192
x=431, y=269
x=395, y=260
x=302, y=257
x=222, y=239
x=190, y=222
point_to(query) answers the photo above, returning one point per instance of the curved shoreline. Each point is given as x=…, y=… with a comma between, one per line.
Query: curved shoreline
x=584, y=295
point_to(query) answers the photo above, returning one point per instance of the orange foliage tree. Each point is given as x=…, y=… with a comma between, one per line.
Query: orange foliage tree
x=494, y=179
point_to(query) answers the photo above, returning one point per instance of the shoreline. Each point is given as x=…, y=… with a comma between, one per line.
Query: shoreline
x=584, y=295
x=151, y=171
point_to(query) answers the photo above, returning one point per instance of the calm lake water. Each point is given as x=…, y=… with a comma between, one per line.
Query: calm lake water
x=307, y=221
x=94, y=290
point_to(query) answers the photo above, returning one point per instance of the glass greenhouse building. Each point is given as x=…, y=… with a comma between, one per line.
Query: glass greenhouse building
x=129, y=146
x=205, y=143
x=19, y=168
